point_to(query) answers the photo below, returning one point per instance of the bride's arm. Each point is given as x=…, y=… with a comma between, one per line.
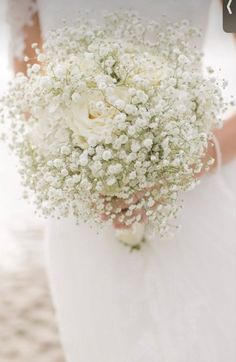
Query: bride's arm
x=226, y=138
x=32, y=34
x=25, y=30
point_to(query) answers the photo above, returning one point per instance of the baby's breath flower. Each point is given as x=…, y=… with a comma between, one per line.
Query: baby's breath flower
x=35, y=68
x=41, y=57
x=76, y=97
x=115, y=169
x=65, y=150
x=60, y=70
x=111, y=181
x=148, y=142
x=83, y=160
x=107, y=155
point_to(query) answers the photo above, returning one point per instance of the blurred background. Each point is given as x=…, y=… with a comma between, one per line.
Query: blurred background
x=28, y=331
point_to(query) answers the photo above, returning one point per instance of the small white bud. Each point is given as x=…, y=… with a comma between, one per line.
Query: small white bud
x=35, y=68
x=75, y=97
x=111, y=181
x=41, y=57
x=106, y=155
x=65, y=150
x=148, y=142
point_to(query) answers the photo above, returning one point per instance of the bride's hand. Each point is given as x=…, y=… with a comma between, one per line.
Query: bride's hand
x=122, y=205
x=210, y=154
x=123, y=214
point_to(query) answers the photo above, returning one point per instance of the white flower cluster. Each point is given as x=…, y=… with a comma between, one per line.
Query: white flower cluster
x=113, y=109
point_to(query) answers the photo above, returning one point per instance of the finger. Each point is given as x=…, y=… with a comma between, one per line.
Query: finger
x=128, y=221
x=104, y=217
x=120, y=221
x=122, y=204
x=116, y=203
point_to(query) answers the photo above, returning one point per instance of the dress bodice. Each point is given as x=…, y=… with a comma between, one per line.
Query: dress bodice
x=53, y=11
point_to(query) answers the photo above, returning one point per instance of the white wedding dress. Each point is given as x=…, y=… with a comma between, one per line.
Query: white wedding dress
x=174, y=301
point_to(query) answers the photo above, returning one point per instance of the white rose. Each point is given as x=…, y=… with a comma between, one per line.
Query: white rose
x=86, y=120
x=151, y=75
x=48, y=136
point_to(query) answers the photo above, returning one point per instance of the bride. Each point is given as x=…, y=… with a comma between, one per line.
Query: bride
x=175, y=300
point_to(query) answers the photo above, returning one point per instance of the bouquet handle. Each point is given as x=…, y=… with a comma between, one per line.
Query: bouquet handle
x=132, y=237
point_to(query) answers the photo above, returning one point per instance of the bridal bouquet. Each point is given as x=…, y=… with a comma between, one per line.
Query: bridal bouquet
x=111, y=111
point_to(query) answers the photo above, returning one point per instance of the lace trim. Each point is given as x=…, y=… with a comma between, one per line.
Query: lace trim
x=19, y=14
